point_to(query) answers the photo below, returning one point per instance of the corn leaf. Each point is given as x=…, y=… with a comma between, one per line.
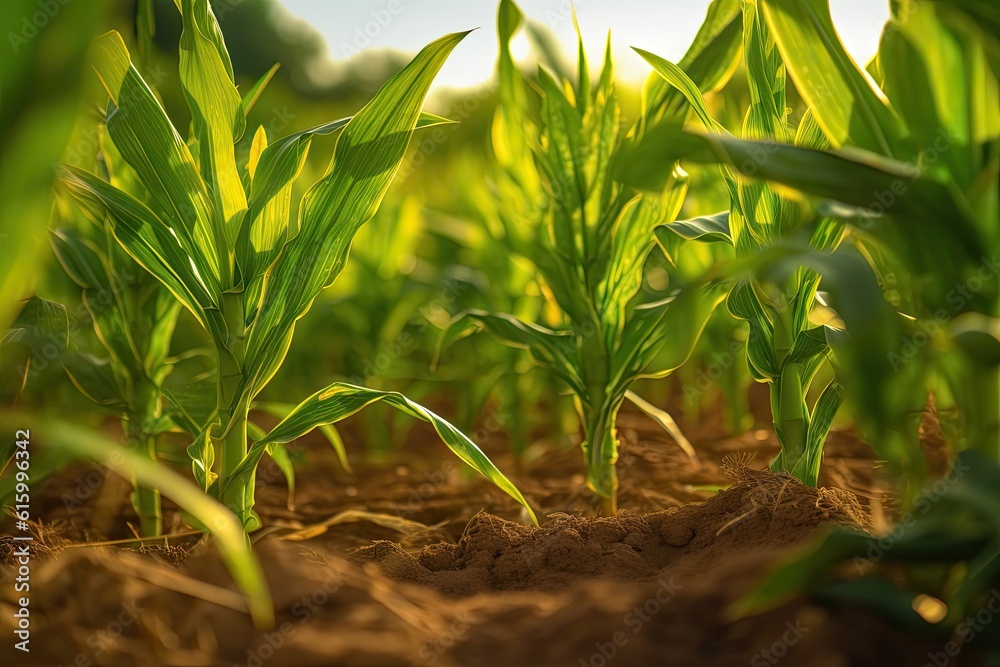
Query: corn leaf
x=219, y=521
x=556, y=350
x=282, y=410
x=150, y=242
x=340, y=400
x=848, y=105
x=705, y=228
x=708, y=62
x=368, y=153
x=217, y=115
x=147, y=140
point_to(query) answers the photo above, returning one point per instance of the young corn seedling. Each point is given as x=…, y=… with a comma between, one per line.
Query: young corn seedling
x=223, y=239
x=588, y=238
x=133, y=317
x=784, y=349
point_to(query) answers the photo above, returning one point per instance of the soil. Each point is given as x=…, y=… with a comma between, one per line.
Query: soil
x=410, y=561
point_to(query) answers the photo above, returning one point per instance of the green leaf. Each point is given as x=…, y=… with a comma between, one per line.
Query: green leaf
x=666, y=422
x=252, y=95
x=340, y=400
x=705, y=228
x=95, y=379
x=368, y=153
x=282, y=410
x=267, y=223
x=556, y=350
x=147, y=140
x=202, y=455
x=808, y=344
x=152, y=244
x=80, y=258
x=847, y=104
x=820, y=422
x=665, y=331
x=878, y=188
x=709, y=61
x=743, y=303
x=228, y=532
x=216, y=111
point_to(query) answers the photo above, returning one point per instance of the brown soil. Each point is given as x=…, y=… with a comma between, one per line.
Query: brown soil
x=384, y=567
x=762, y=510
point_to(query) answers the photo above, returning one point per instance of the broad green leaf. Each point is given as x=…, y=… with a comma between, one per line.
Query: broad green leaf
x=820, y=422
x=217, y=114
x=368, y=153
x=879, y=189
x=677, y=78
x=743, y=303
x=808, y=344
x=631, y=240
x=282, y=410
x=665, y=331
x=95, y=379
x=42, y=322
x=147, y=140
x=267, y=223
x=708, y=62
x=152, y=244
x=847, y=104
x=340, y=400
x=80, y=258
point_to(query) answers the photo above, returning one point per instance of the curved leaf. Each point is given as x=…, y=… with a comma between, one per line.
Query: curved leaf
x=340, y=400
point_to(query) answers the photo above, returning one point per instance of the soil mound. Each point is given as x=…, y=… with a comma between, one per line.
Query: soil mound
x=761, y=510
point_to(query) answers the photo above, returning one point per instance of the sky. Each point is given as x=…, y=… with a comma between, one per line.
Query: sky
x=665, y=27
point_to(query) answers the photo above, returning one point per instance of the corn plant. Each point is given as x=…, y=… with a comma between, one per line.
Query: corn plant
x=133, y=317
x=922, y=151
x=784, y=349
x=588, y=238
x=935, y=120
x=224, y=239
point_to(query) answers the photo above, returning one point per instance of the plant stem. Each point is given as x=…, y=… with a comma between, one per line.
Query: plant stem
x=788, y=407
x=233, y=412
x=136, y=425
x=602, y=476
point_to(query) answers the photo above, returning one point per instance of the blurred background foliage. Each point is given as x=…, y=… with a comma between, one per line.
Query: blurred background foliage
x=429, y=252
